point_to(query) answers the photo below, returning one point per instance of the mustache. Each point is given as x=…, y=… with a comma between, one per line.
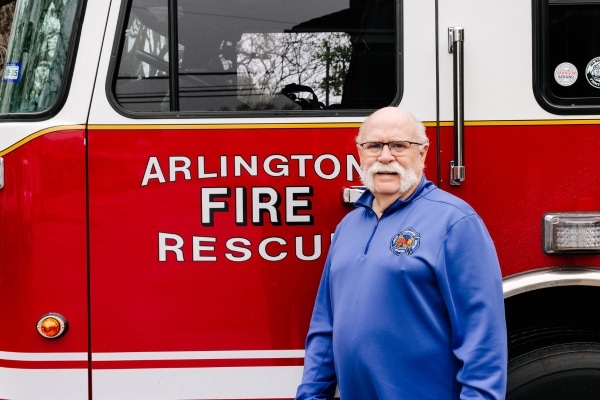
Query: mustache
x=389, y=168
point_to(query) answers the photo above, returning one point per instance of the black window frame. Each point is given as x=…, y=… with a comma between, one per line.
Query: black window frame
x=543, y=72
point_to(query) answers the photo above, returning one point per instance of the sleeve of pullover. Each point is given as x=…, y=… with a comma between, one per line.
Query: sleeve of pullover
x=319, y=380
x=471, y=283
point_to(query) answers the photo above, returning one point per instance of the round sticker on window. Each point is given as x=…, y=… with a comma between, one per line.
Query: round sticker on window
x=565, y=74
x=592, y=72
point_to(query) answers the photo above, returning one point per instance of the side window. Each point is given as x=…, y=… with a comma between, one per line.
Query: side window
x=567, y=56
x=257, y=55
x=35, y=69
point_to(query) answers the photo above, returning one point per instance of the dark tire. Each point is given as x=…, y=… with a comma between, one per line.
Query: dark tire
x=559, y=372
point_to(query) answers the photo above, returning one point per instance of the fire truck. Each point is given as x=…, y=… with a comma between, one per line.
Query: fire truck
x=171, y=172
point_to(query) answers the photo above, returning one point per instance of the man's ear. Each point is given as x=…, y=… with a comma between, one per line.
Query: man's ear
x=423, y=152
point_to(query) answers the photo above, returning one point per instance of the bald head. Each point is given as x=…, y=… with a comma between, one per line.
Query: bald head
x=393, y=119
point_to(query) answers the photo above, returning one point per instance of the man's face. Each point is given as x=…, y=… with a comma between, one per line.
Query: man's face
x=391, y=172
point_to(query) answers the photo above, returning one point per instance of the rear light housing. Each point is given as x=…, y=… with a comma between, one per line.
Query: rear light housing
x=577, y=232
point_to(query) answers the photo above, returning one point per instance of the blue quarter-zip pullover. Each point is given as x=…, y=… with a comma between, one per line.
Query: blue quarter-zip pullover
x=410, y=306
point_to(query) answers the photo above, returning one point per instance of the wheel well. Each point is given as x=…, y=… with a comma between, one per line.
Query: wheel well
x=551, y=316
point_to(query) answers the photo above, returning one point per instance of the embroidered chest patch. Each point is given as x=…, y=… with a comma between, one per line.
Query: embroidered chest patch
x=405, y=242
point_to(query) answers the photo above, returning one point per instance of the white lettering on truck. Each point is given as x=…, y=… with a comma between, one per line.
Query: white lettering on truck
x=256, y=205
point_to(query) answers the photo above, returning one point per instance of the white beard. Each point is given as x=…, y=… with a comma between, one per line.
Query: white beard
x=408, y=178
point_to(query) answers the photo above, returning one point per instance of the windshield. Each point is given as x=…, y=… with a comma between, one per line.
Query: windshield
x=37, y=55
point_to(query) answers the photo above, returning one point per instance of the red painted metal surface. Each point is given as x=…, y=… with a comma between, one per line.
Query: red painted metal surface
x=43, y=250
x=235, y=295
x=516, y=174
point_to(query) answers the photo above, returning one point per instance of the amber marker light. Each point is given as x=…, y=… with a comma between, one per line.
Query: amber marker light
x=52, y=325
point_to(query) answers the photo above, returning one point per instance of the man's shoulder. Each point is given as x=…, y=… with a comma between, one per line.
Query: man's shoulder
x=446, y=201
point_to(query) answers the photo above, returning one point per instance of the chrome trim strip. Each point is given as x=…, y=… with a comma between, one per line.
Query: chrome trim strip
x=550, y=277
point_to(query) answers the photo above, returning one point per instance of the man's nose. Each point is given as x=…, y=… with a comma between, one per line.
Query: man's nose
x=386, y=153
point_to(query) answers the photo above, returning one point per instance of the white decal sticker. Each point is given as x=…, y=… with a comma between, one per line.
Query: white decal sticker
x=565, y=74
x=12, y=72
x=592, y=72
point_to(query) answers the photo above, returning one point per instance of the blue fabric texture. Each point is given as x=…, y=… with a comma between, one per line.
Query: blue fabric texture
x=410, y=306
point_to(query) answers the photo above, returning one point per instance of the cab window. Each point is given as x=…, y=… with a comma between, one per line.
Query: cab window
x=36, y=67
x=248, y=56
x=567, y=56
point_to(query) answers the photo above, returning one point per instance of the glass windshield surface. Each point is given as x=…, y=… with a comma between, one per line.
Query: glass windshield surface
x=37, y=53
x=249, y=55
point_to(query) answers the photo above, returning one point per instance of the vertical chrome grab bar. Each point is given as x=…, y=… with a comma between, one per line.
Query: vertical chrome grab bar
x=456, y=37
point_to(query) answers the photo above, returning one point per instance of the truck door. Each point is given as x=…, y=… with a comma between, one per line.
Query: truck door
x=216, y=182
x=527, y=84
x=490, y=122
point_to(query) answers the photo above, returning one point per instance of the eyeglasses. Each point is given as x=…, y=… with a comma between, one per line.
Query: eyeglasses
x=397, y=147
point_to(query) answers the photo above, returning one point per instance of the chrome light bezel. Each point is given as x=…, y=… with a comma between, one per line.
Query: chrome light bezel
x=585, y=234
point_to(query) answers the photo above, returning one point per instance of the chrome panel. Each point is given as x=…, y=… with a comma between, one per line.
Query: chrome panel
x=550, y=277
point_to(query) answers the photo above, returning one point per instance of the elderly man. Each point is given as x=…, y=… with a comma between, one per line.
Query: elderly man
x=410, y=304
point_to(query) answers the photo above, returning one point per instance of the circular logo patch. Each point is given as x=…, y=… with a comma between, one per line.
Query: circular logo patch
x=592, y=72
x=405, y=242
x=565, y=74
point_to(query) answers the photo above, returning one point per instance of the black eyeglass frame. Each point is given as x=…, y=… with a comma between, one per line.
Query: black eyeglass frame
x=383, y=144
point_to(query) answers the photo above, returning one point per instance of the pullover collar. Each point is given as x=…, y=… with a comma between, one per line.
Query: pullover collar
x=366, y=199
